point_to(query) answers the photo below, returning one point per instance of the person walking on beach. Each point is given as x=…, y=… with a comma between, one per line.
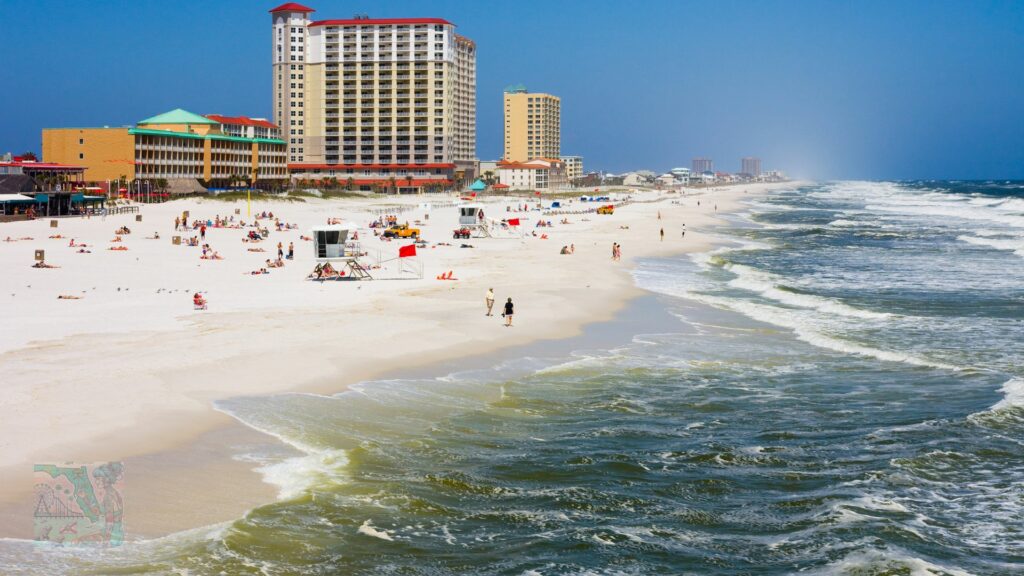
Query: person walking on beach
x=615, y=251
x=202, y=232
x=662, y=234
x=489, y=301
x=177, y=222
x=508, y=313
x=291, y=250
x=280, y=251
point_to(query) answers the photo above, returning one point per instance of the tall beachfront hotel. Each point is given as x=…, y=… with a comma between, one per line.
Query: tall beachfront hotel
x=388, y=101
x=533, y=125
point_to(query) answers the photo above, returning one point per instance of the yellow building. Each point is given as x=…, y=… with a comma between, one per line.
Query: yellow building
x=532, y=125
x=190, y=151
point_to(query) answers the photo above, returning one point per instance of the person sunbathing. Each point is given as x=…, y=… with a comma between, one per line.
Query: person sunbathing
x=256, y=250
x=84, y=251
x=118, y=248
x=42, y=264
x=155, y=236
x=68, y=297
x=198, y=301
x=56, y=237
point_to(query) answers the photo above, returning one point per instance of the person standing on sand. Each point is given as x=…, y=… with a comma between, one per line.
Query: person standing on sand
x=508, y=313
x=177, y=222
x=280, y=251
x=615, y=251
x=291, y=250
x=202, y=232
x=662, y=234
x=489, y=301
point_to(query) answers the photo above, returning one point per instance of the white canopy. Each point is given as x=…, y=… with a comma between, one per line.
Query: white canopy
x=14, y=197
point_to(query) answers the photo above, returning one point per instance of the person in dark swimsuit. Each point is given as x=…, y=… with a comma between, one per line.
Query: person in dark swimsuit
x=508, y=312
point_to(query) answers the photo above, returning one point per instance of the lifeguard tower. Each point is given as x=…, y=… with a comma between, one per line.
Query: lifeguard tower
x=471, y=216
x=332, y=245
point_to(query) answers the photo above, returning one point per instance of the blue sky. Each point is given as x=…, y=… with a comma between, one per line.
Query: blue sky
x=821, y=89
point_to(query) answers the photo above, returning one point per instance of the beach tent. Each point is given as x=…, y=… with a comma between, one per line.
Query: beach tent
x=478, y=186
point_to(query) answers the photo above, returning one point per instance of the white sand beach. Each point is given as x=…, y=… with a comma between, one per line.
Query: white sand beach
x=129, y=369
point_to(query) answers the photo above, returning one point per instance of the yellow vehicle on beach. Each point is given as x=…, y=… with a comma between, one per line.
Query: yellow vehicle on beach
x=607, y=209
x=402, y=231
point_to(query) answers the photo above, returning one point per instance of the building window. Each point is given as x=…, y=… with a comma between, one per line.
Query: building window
x=81, y=156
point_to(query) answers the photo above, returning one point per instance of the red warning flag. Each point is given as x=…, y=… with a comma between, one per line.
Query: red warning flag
x=406, y=251
x=513, y=221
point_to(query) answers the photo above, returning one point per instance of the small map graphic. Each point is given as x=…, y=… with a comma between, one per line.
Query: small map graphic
x=79, y=504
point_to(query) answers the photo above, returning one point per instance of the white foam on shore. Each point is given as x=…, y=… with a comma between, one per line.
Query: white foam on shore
x=295, y=476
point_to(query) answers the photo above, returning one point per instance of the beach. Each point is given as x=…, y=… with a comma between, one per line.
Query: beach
x=131, y=371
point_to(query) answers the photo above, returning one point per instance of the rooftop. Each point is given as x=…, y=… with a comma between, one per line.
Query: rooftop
x=177, y=116
x=243, y=120
x=380, y=21
x=291, y=7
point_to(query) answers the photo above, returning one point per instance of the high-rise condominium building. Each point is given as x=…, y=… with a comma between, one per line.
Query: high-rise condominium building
x=701, y=165
x=751, y=166
x=532, y=125
x=388, y=101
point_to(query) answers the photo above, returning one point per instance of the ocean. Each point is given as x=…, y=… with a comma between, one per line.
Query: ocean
x=837, y=389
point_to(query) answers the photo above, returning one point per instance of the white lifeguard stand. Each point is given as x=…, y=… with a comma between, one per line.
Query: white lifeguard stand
x=472, y=216
x=331, y=244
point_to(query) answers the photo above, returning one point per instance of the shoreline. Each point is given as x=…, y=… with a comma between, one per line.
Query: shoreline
x=193, y=435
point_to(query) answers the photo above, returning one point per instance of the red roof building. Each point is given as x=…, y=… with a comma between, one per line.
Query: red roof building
x=292, y=7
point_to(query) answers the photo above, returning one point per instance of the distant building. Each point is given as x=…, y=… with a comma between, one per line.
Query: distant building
x=178, y=146
x=541, y=174
x=750, y=166
x=639, y=178
x=532, y=125
x=573, y=167
x=702, y=165
x=246, y=127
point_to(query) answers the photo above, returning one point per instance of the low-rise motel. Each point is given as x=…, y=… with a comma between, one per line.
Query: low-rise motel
x=192, y=153
x=539, y=174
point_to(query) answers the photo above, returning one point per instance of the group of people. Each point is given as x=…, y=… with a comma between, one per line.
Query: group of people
x=570, y=249
x=509, y=308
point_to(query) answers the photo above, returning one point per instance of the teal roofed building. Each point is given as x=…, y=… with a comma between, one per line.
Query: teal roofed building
x=178, y=116
x=478, y=186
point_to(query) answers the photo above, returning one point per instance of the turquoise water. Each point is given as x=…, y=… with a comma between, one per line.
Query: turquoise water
x=837, y=390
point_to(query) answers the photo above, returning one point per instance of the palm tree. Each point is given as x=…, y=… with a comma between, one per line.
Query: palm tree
x=349, y=184
x=489, y=177
x=161, y=184
x=391, y=185
x=408, y=180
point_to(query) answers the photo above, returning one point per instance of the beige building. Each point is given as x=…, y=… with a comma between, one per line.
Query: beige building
x=573, y=167
x=192, y=152
x=540, y=174
x=532, y=125
x=375, y=99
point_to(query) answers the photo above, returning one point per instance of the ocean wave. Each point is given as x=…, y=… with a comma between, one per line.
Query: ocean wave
x=770, y=286
x=1014, y=244
x=805, y=331
x=367, y=529
x=888, y=561
x=842, y=223
x=1013, y=395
